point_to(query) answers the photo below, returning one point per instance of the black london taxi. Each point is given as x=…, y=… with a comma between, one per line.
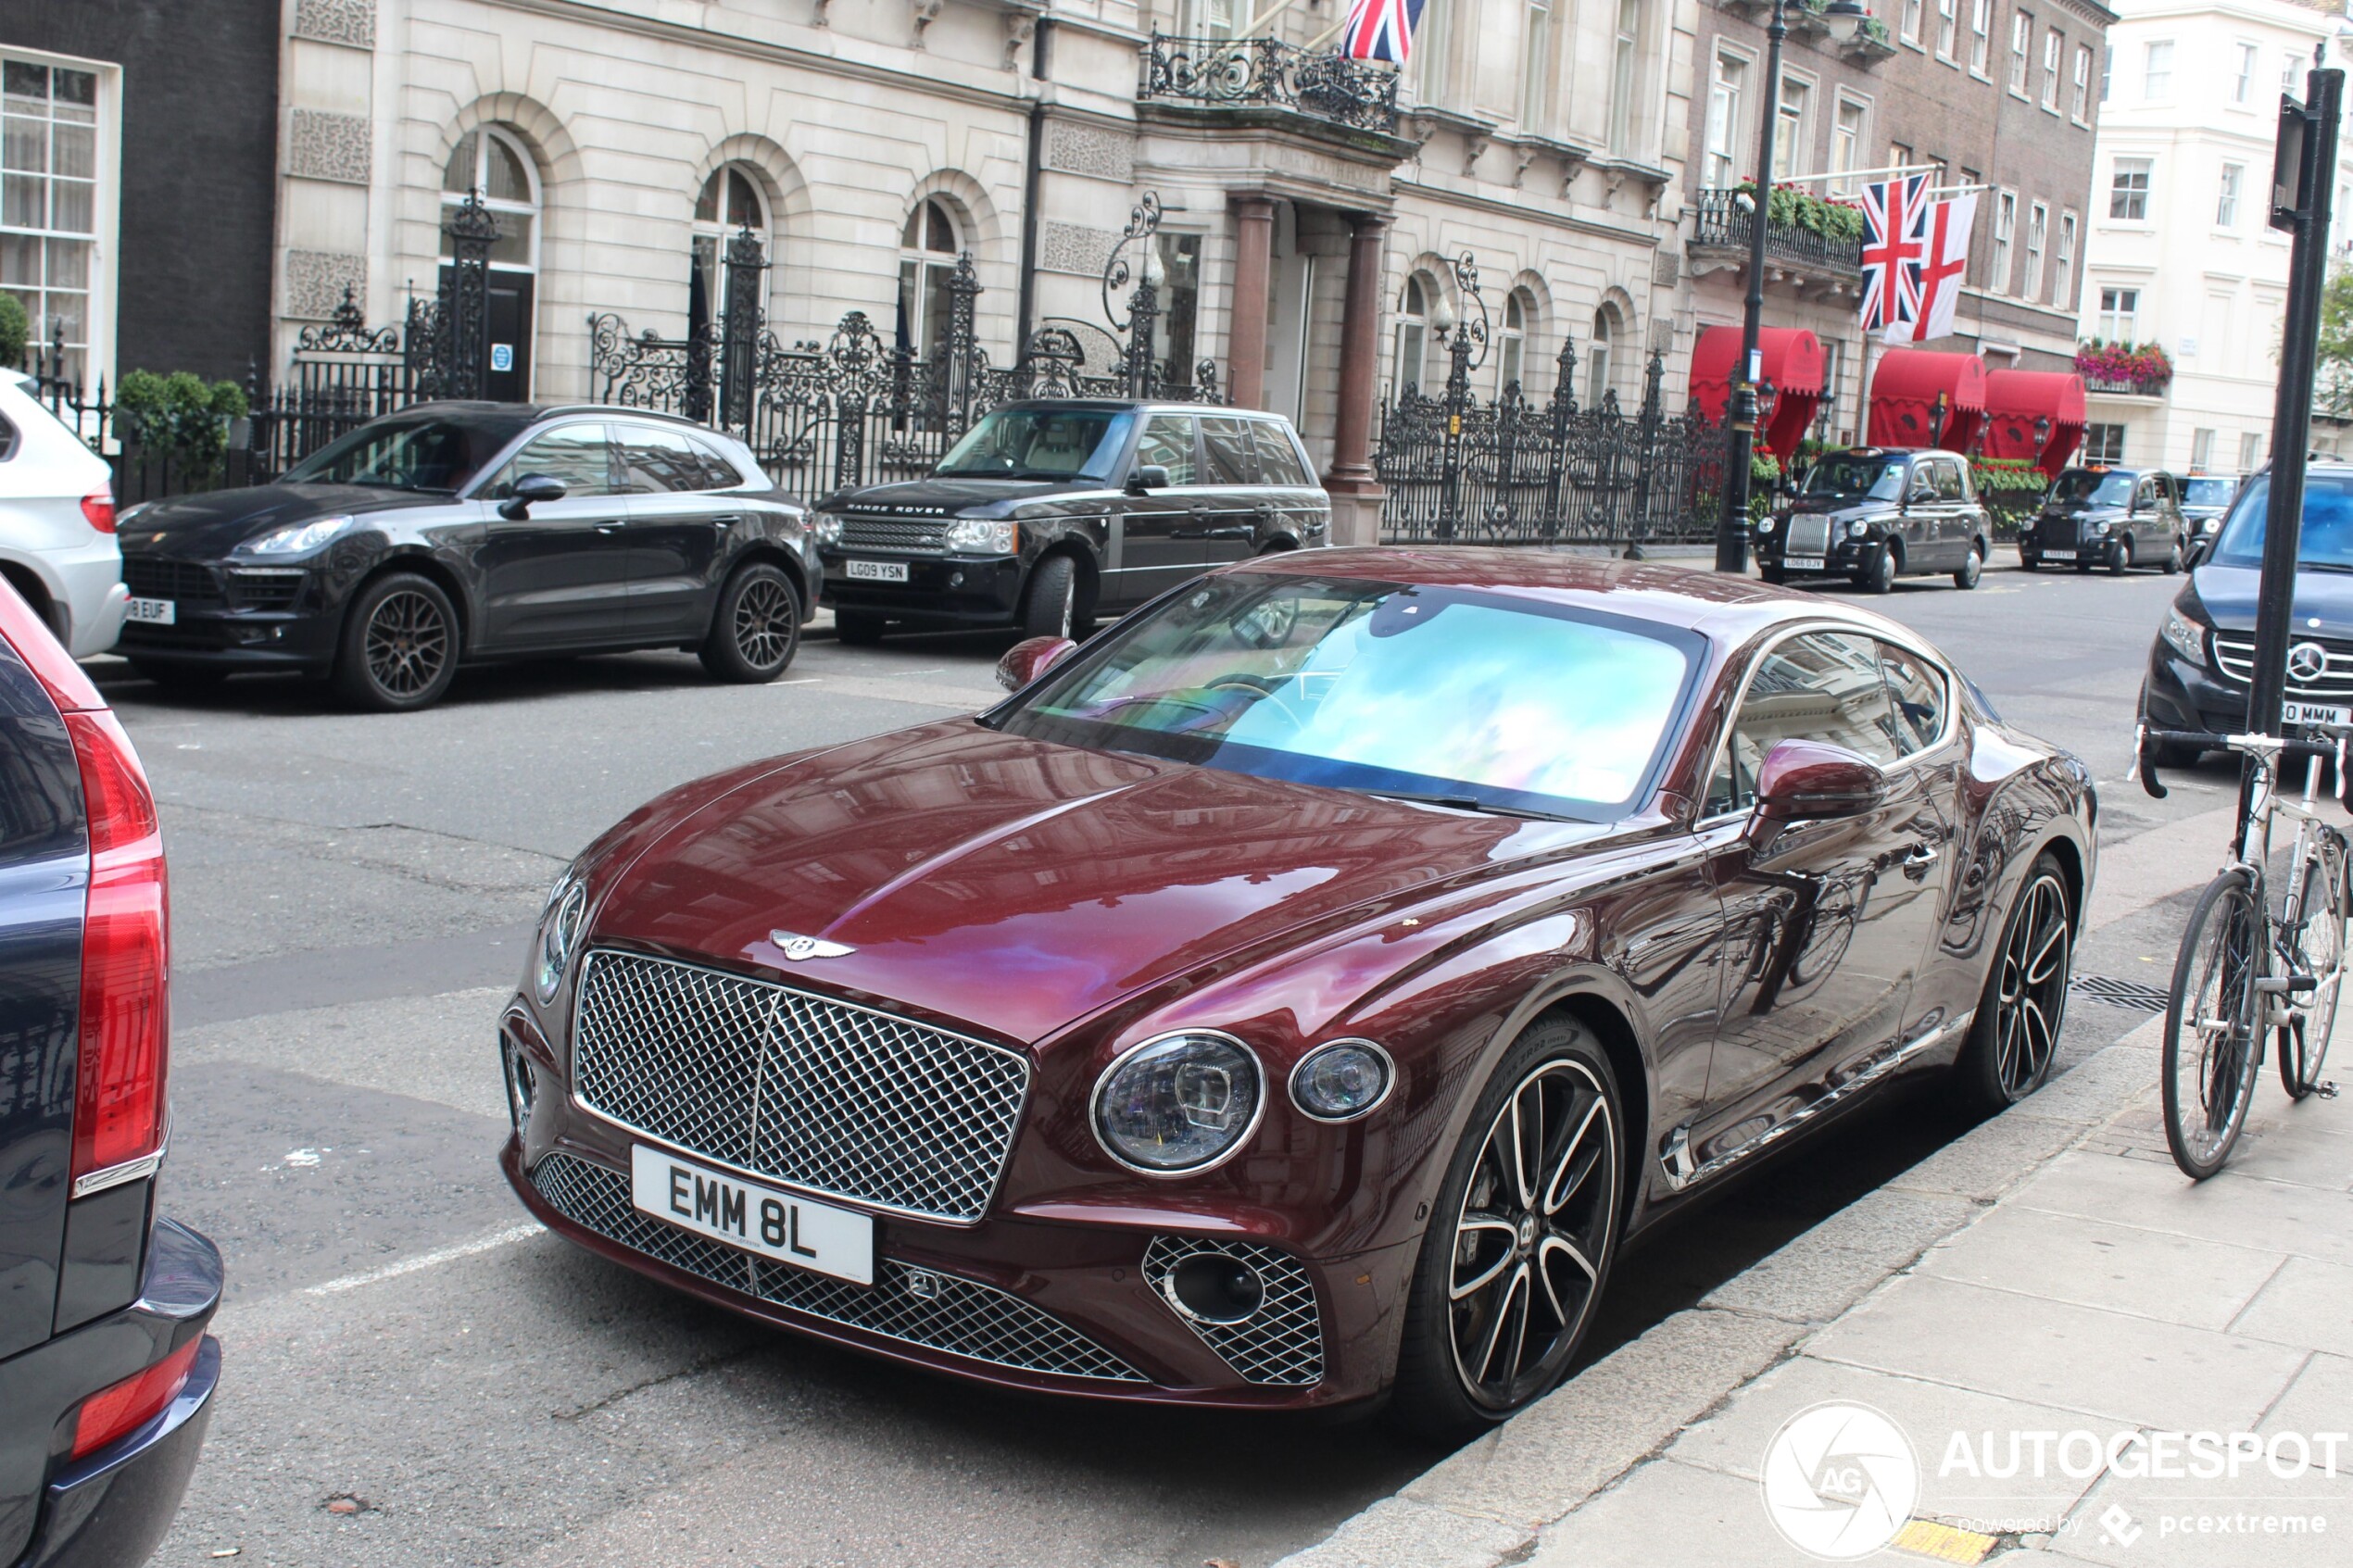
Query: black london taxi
x=2205, y=499
x=1052, y=512
x=2111, y=517
x=1877, y=513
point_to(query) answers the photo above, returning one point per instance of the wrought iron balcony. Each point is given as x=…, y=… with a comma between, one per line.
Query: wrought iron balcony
x=1249, y=73
x=1723, y=225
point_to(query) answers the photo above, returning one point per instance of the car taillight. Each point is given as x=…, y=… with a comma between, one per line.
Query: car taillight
x=118, y=1091
x=98, y=506
x=131, y=1403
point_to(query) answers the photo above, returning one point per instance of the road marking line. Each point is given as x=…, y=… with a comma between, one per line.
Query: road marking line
x=426, y=1261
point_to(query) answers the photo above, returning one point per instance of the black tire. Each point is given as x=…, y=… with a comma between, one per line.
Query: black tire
x=1773, y=575
x=2173, y=558
x=2209, y=1078
x=179, y=677
x=1972, y=570
x=1556, y=1234
x=2119, y=560
x=2320, y=948
x=2084, y=565
x=1050, y=604
x=399, y=646
x=2014, y=1036
x=756, y=627
x=2029, y=563
x=1877, y=574
x=859, y=627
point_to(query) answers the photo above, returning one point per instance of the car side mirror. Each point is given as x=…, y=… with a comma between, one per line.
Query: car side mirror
x=1146, y=477
x=1814, y=779
x=530, y=491
x=1029, y=659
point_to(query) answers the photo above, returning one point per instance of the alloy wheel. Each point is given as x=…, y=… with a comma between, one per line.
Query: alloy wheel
x=2032, y=995
x=1532, y=1235
x=408, y=642
x=764, y=621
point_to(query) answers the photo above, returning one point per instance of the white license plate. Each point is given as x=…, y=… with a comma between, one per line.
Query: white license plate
x=1802, y=563
x=2314, y=713
x=152, y=612
x=877, y=570
x=2058, y=555
x=781, y=1226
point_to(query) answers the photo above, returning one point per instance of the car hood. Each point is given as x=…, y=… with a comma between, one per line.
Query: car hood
x=956, y=497
x=1841, y=509
x=2228, y=593
x=1016, y=886
x=219, y=520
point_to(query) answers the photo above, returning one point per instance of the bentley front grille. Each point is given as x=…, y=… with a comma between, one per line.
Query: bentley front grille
x=1809, y=534
x=1281, y=1342
x=887, y=534
x=821, y=1094
x=921, y=1307
x=2234, y=651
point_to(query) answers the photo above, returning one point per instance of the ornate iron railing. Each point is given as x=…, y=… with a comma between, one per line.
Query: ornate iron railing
x=1724, y=216
x=1268, y=73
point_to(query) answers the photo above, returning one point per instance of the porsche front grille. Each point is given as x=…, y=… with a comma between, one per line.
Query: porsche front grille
x=914, y=1306
x=1809, y=534
x=818, y=1094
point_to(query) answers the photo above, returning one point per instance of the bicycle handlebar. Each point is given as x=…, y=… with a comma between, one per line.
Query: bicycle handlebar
x=2271, y=750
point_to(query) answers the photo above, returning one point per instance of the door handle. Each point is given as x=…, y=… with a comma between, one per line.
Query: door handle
x=610, y=527
x=1917, y=863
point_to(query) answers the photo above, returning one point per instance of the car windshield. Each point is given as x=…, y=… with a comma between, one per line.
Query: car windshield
x=2084, y=487
x=1465, y=697
x=2326, y=542
x=423, y=453
x=1039, y=444
x=1878, y=478
x=2209, y=492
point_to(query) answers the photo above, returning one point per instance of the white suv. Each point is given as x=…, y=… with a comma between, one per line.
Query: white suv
x=57, y=523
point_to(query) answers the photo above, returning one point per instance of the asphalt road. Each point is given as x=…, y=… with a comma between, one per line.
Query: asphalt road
x=414, y=1378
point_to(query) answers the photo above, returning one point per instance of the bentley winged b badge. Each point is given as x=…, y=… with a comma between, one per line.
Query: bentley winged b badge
x=795, y=946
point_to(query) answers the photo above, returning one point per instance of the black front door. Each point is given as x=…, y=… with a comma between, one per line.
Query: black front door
x=1160, y=539
x=677, y=526
x=561, y=575
x=1239, y=506
x=505, y=335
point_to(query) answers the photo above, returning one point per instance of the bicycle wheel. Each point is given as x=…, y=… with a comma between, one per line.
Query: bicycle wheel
x=2211, y=1048
x=2319, y=944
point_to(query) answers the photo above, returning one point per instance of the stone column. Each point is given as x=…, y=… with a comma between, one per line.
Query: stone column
x=1246, y=335
x=1356, y=494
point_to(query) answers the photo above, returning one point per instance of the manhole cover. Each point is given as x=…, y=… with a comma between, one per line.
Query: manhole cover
x=2117, y=993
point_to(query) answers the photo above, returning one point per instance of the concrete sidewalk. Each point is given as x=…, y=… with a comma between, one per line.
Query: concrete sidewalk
x=2035, y=1310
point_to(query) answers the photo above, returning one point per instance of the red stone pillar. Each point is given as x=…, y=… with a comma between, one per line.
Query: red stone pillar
x=1356, y=494
x=1253, y=266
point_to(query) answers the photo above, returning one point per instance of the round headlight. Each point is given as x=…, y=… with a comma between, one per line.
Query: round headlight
x=1180, y=1102
x=1765, y=524
x=1857, y=529
x=826, y=528
x=559, y=930
x=2102, y=526
x=1341, y=1081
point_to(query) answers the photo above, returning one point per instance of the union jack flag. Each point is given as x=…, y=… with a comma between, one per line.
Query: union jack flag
x=1382, y=30
x=1894, y=246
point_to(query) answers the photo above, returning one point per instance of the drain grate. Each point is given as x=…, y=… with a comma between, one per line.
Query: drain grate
x=2117, y=993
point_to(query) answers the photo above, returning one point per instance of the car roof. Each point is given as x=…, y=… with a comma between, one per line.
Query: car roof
x=1889, y=452
x=1146, y=404
x=533, y=413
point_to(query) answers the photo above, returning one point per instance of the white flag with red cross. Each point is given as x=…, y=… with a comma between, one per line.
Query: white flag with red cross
x=1942, y=266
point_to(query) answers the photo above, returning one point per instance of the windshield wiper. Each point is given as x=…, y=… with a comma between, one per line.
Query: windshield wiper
x=1471, y=803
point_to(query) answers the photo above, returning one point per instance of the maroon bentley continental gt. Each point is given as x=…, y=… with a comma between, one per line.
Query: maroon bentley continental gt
x=1297, y=995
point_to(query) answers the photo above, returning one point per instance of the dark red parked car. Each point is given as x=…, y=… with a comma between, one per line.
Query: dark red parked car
x=1298, y=994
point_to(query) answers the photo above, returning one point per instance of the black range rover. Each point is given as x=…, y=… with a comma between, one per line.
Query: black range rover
x=1049, y=513
x=1877, y=513
x=2115, y=517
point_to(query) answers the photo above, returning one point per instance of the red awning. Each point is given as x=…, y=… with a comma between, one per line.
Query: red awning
x=1793, y=367
x=1905, y=388
x=2017, y=401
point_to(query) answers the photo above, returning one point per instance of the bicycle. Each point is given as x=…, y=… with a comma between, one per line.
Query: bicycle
x=2248, y=971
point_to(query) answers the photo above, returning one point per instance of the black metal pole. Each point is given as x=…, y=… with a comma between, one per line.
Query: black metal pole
x=2292, y=415
x=1731, y=528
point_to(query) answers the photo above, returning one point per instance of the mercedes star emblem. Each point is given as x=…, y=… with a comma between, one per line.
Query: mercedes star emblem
x=2307, y=662
x=795, y=946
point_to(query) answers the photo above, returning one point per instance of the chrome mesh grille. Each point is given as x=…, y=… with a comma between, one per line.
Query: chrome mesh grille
x=886, y=534
x=1282, y=1343
x=817, y=1093
x=1809, y=534
x=959, y=1316
x=2234, y=651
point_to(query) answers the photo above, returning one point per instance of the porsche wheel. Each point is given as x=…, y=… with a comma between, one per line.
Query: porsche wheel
x=399, y=645
x=1520, y=1239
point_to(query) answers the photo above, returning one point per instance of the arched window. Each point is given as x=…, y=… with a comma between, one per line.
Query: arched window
x=1606, y=328
x=494, y=161
x=927, y=267
x=1511, y=338
x=731, y=199
x=1409, y=366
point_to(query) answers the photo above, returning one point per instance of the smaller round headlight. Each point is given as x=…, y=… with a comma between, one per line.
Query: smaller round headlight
x=1341, y=1081
x=1178, y=1103
x=1765, y=524
x=2102, y=527
x=1857, y=529
x=559, y=930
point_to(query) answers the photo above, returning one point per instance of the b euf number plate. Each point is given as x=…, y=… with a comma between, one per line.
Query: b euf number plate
x=782, y=1226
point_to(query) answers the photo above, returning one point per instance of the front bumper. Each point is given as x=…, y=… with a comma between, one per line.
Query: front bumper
x=2178, y=695
x=942, y=589
x=1842, y=556
x=278, y=620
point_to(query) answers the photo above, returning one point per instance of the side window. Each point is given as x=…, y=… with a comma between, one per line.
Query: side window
x=1277, y=457
x=723, y=474
x=1225, y=441
x=655, y=461
x=575, y=454
x=1169, y=441
x=1820, y=686
x=1968, y=481
x=1950, y=483
x=1923, y=481
x=1921, y=697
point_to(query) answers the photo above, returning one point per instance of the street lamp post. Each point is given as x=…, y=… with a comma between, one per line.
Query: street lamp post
x=1844, y=17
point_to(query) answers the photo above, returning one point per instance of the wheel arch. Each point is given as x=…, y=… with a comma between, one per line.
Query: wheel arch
x=776, y=555
x=426, y=565
x=1087, y=591
x=28, y=583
